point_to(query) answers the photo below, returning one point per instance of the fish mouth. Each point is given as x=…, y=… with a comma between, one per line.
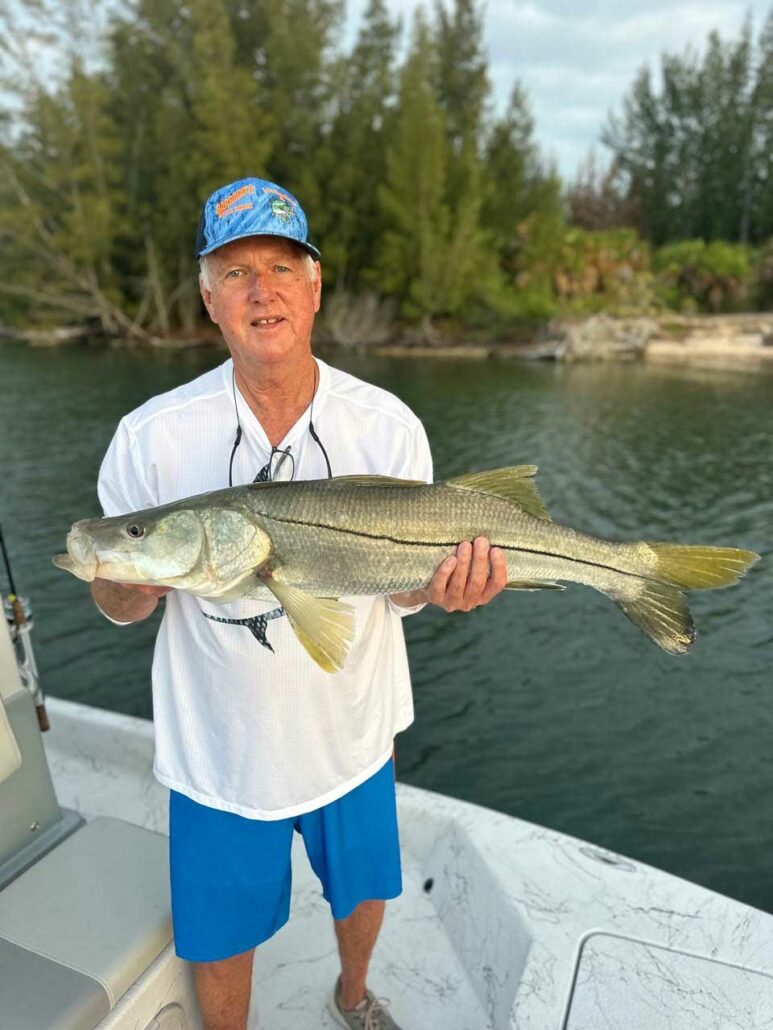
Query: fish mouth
x=81, y=558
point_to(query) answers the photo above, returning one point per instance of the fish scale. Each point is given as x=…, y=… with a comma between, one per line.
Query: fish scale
x=308, y=544
x=414, y=531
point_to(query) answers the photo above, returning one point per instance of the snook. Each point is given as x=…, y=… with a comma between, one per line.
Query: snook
x=310, y=543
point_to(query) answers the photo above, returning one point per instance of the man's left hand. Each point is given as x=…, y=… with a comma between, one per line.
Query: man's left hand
x=465, y=580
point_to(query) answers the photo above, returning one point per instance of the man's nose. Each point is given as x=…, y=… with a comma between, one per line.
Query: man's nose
x=260, y=287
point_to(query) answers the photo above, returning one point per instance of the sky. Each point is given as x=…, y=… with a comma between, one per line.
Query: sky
x=578, y=58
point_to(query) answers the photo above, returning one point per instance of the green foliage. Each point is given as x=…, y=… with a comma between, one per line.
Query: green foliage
x=762, y=280
x=694, y=275
x=350, y=218
x=411, y=257
x=413, y=190
x=63, y=210
x=696, y=154
x=607, y=270
x=571, y=270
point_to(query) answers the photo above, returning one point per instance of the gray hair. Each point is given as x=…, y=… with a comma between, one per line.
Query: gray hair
x=204, y=269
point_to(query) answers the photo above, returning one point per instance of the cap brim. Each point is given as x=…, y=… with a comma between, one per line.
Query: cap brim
x=244, y=235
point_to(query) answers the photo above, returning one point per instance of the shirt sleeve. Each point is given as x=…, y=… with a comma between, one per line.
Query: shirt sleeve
x=417, y=464
x=123, y=484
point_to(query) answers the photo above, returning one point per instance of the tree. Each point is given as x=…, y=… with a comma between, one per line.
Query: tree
x=412, y=256
x=286, y=45
x=696, y=155
x=462, y=88
x=522, y=202
x=597, y=199
x=64, y=209
x=351, y=162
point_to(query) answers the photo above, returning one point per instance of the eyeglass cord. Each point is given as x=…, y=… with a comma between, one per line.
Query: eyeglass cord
x=312, y=430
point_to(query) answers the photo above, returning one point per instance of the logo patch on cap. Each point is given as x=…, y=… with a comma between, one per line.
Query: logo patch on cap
x=226, y=205
x=281, y=209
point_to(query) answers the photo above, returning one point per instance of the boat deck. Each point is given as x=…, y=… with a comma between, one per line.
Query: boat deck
x=501, y=925
x=104, y=768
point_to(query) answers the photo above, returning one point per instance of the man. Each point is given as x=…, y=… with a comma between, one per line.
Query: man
x=252, y=738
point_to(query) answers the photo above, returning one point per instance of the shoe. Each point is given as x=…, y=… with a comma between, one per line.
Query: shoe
x=370, y=1014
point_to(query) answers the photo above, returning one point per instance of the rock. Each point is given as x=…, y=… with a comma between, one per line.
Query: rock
x=602, y=338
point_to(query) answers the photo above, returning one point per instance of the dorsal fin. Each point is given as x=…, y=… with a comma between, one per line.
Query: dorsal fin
x=513, y=483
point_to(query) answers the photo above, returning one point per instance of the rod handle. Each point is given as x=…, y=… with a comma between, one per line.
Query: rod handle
x=43, y=722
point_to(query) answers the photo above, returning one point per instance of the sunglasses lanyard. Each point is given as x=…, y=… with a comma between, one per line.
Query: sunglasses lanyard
x=312, y=430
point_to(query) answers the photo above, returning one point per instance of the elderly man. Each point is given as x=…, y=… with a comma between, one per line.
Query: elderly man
x=253, y=739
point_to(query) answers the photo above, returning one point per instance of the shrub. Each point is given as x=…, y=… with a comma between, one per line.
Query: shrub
x=762, y=277
x=695, y=275
x=606, y=270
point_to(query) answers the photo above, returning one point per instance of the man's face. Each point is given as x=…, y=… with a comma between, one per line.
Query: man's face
x=263, y=298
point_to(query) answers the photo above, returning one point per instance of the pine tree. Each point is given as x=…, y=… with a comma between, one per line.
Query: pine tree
x=413, y=252
x=286, y=45
x=64, y=209
x=695, y=154
x=462, y=89
x=517, y=188
x=352, y=159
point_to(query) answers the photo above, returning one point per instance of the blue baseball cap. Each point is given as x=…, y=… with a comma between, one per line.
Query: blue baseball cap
x=251, y=207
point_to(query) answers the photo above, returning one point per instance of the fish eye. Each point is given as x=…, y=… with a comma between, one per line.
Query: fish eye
x=135, y=530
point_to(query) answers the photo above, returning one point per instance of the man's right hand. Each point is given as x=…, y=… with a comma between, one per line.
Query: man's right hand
x=126, y=602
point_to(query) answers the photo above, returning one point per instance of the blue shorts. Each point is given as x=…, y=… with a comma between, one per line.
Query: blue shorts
x=231, y=876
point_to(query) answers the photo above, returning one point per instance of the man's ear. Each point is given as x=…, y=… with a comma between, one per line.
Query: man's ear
x=206, y=296
x=317, y=286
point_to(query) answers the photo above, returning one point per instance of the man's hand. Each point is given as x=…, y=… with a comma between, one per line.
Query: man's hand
x=126, y=602
x=142, y=588
x=471, y=577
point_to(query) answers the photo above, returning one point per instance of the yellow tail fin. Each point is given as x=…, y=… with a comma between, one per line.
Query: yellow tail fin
x=657, y=605
x=700, y=568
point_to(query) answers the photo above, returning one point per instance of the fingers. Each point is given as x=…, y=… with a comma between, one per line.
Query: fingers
x=497, y=579
x=436, y=591
x=476, y=574
x=465, y=580
x=143, y=588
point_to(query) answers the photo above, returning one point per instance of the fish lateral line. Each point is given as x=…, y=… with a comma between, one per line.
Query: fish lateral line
x=453, y=544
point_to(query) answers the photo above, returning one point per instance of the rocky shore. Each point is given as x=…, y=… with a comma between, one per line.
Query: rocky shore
x=701, y=341
x=736, y=342
x=743, y=342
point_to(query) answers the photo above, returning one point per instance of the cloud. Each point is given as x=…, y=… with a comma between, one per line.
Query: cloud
x=578, y=58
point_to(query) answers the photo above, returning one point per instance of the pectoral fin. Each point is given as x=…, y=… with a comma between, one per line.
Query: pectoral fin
x=323, y=625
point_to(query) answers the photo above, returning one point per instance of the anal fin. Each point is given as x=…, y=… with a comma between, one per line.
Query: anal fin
x=660, y=610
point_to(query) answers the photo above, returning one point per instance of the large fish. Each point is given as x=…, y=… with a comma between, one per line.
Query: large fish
x=309, y=543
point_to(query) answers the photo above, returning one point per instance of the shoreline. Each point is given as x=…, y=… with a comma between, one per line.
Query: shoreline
x=741, y=342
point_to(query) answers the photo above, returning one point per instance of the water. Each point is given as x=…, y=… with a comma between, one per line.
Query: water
x=551, y=707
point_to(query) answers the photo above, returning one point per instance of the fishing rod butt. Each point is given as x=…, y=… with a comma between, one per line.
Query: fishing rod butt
x=43, y=723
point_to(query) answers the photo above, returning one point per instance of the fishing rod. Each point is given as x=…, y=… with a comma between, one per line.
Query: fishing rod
x=19, y=616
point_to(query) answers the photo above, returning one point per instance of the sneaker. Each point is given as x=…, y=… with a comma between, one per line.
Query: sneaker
x=370, y=1014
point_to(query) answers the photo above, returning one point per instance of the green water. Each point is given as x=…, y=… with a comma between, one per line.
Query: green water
x=553, y=708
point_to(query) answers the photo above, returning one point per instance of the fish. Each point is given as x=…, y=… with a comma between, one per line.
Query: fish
x=310, y=543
